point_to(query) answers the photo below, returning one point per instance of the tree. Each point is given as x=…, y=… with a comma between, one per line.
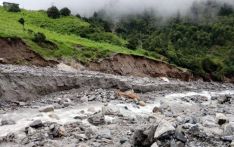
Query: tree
x=21, y=21
x=53, y=12
x=226, y=10
x=65, y=11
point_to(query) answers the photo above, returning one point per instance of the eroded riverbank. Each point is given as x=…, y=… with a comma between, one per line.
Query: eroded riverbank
x=89, y=111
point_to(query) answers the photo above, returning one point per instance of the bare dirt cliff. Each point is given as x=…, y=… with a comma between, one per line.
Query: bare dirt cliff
x=138, y=66
x=15, y=51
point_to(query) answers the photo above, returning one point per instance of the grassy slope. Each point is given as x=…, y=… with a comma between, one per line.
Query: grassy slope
x=55, y=31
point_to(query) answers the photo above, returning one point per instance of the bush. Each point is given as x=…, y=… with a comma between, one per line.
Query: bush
x=210, y=66
x=53, y=12
x=65, y=12
x=39, y=37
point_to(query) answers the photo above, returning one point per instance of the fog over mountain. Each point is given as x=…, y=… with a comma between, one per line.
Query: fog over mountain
x=115, y=7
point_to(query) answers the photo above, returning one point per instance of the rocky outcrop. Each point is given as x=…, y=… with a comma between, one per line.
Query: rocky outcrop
x=138, y=66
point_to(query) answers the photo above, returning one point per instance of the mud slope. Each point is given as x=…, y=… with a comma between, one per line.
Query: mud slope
x=15, y=51
x=138, y=66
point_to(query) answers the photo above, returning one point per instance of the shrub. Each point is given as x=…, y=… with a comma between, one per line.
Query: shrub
x=53, y=12
x=39, y=37
x=65, y=12
x=21, y=21
x=210, y=66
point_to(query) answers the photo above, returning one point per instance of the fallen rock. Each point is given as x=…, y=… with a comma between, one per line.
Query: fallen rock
x=36, y=124
x=29, y=131
x=154, y=145
x=109, y=110
x=164, y=129
x=57, y=130
x=221, y=118
x=47, y=109
x=7, y=122
x=228, y=138
x=142, y=103
x=104, y=133
x=129, y=94
x=180, y=136
x=157, y=110
x=228, y=129
x=232, y=144
x=144, y=137
x=97, y=119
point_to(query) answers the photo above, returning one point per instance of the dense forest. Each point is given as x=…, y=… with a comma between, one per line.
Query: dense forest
x=202, y=40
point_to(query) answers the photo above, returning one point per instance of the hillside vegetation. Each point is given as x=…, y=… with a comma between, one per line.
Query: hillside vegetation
x=64, y=35
x=201, y=41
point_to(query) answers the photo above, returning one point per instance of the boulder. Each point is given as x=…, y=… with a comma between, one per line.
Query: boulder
x=180, y=136
x=47, y=109
x=36, y=124
x=104, y=133
x=232, y=144
x=221, y=118
x=141, y=103
x=164, y=129
x=228, y=129
x=97, y=119
x=154, y=145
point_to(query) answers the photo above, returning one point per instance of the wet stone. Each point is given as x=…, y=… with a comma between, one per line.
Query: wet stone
x=36, y=124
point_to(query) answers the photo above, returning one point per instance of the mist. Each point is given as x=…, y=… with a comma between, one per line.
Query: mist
x=115, y=7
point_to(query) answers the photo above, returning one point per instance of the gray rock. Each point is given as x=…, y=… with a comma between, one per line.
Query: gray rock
x=157, y=109
x=154, y=145
x=232, y=144
x=180, y=136
x=97, y=119
x=104, y=133
x=7, y=122
x=221, y=118
x=108, y=110
x=164, y=128
x=36, y=124
x=228, y=138
x=47, y=109
x=30, y=131
x=228, y=129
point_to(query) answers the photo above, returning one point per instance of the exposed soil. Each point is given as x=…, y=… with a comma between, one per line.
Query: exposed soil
x=138, y=66
x=15, y=51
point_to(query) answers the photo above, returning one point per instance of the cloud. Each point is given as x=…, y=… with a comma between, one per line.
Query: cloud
x=116, y=7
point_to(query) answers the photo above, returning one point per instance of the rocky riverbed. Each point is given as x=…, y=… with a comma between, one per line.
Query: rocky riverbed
x=57, y=107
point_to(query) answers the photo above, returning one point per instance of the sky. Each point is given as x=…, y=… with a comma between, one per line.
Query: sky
x=88, y=7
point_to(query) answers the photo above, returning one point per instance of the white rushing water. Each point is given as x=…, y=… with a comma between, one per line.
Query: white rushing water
x=24, y=117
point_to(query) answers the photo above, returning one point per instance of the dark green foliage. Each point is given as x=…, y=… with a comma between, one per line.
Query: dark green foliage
x=187, y=41
x=133, y=43
x=39, y=37
x=226, y=10
x=65, y=11
x=53, y=12
x=210, y=66
x=78, y=16
x=11, y=7
x=21, y=21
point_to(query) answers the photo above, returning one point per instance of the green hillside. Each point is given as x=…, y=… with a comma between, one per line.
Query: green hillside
x=64, y=32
